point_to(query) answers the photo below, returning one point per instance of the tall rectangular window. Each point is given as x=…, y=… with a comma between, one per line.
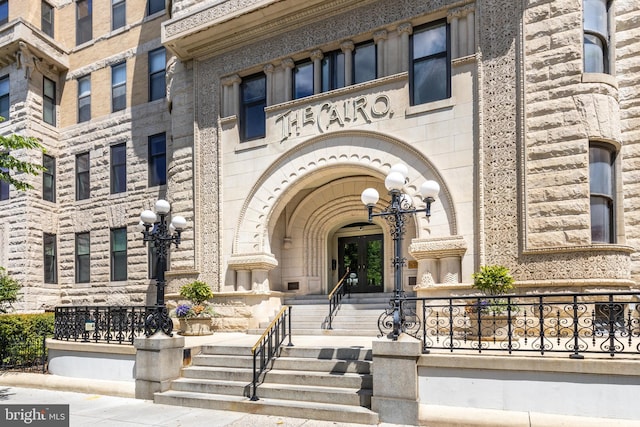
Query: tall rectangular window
x=119, y=87
x=118, y=168
x=50, y=258
x=118, y=14
x=4, y=11
x=157, y=160
x=602, y=188
x=49, y=178
x=333, y=71
x=303, y=80
x=364, y=63
x=84, y=98
x=49, y=101
x=430, y=76
x=596, y=35
x=4, y=186
x=84, y=21
x=83, y=185
x=118, y=254
x=157, y=63
x=4, y=97
x=154, y=6
x=83, y=257
x=46, y=21
x=254, y=99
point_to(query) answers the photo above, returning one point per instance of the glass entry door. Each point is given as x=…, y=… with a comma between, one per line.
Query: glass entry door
x=362, y=256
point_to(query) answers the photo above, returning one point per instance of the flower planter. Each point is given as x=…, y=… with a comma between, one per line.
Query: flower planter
x=491, y=327
x=195, y=326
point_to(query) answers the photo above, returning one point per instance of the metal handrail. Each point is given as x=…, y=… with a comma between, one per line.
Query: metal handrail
x=335, y=298
x=268, y=345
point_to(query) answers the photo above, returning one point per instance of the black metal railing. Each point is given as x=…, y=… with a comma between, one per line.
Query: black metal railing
x=335, y=299
x=574, y=323
x=20, y=354
x=268, y=346
x=104, y=324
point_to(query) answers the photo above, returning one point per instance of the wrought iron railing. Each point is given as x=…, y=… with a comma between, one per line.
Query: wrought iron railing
x=105, y=324
x=574, y=323
x=268, y=346
x=335, y=299
x=19, y=354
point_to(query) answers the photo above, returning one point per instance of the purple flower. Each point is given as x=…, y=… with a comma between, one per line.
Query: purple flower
x=182, y=310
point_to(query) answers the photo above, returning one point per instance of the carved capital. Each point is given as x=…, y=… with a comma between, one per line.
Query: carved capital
x=317, y=55
x=268, y=69
x=288, y=63
x=347, y=46
x=254, y=261
x=454, y=246
x=230, y=80
x=380, y=35
x=405, y=28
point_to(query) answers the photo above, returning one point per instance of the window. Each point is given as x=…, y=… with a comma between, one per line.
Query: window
x=49, y=101
x=83, y=257
x=4, y=186
x=4, y=11
x=303, y=80
x=254, y=100
x=84, y=21
x=84, y=99
x=602, y=188
x=333, y=71
x=430, y=71
x=157, y=86
x=50, y=261
x=155, y=6
x=157, y=160
x=118, y=254
x=596, y=36
x=83, y=185
x=364, y=63
x=119, y=87
x=118, y=168
x=46, y=21
x=118, y=14
x=49, y=178
x=4, y=97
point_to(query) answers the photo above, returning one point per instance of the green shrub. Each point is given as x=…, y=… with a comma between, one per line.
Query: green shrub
x=9, y=288
x=26, y=326
x=198, y=292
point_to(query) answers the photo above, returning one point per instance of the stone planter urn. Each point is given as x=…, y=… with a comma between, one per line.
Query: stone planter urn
x=195, y=326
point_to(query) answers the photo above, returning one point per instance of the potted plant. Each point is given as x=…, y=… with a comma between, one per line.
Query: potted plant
x=195, y=316
x=489, y=315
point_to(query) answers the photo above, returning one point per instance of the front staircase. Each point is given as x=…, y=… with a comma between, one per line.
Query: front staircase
x=320, y=383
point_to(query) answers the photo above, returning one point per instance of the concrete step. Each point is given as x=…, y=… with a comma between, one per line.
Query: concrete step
x=336, y=353
x=226, y=361
x=319, y=365
x=267, y=406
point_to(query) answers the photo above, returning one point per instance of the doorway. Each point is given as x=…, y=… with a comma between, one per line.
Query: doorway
x=362, y=257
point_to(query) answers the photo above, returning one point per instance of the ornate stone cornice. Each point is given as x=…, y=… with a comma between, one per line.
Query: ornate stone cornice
x=438, y=247
x=253, y=261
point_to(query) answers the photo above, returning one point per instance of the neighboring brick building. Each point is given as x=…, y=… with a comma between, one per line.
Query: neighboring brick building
x=280, y=113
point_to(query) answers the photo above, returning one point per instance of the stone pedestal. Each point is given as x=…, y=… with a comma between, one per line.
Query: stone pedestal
x=158, y=361
x=395, y=380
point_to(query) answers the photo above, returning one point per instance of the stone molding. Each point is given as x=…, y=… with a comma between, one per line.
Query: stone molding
x=438, y=248
x=254, y=261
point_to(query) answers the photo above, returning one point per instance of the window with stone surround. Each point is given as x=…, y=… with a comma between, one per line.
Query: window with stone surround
x=49, y=101
x=430, y=73
x=83, y=257
x=157, y=145
x=49, y=178
x=118, y=254
x=155, y=6
x=84, y=98
x=84, y=21
x=4, y=97
x=83, y=184
x=364, y=62
x=333, y=71
x=118, y=168
x=118, y=87
x=303, y=79
x=4, y=11
x=4, y=186
x=602, y=188
x=46, y=20
x=50, y=258
x=596, y=35
x=118, y=14
x=157, y=84
x=254, y=100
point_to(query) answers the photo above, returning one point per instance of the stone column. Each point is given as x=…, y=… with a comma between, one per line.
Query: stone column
x=231, y=93
x=316, y=57
x=405, y=30
x=243, y=280
x=268, y=71
x=259, y=264
x=454, y=37
x=158, y=361
x=379, y=38
x=347, y=48
x=288, y=65
x=395, y=380
x=471, y=33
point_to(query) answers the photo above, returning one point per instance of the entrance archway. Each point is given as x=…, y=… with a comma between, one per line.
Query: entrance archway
x=361, y=257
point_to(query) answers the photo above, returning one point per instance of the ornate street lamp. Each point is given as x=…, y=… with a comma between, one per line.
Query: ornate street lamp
x=396, y=214
x=162, y=236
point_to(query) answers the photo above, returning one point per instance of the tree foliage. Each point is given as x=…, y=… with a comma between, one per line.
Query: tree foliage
x=10, y=165
x=9, y=288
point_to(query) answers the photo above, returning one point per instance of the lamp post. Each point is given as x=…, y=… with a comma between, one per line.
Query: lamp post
x=396, y=213
x=154, y=229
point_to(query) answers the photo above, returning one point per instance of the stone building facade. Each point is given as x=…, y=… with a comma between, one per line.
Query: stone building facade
x=279, y=113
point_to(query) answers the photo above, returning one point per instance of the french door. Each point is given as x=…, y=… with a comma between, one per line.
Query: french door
x=362, y=257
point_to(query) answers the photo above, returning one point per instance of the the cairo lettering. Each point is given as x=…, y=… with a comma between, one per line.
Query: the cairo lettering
x=333, y=115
